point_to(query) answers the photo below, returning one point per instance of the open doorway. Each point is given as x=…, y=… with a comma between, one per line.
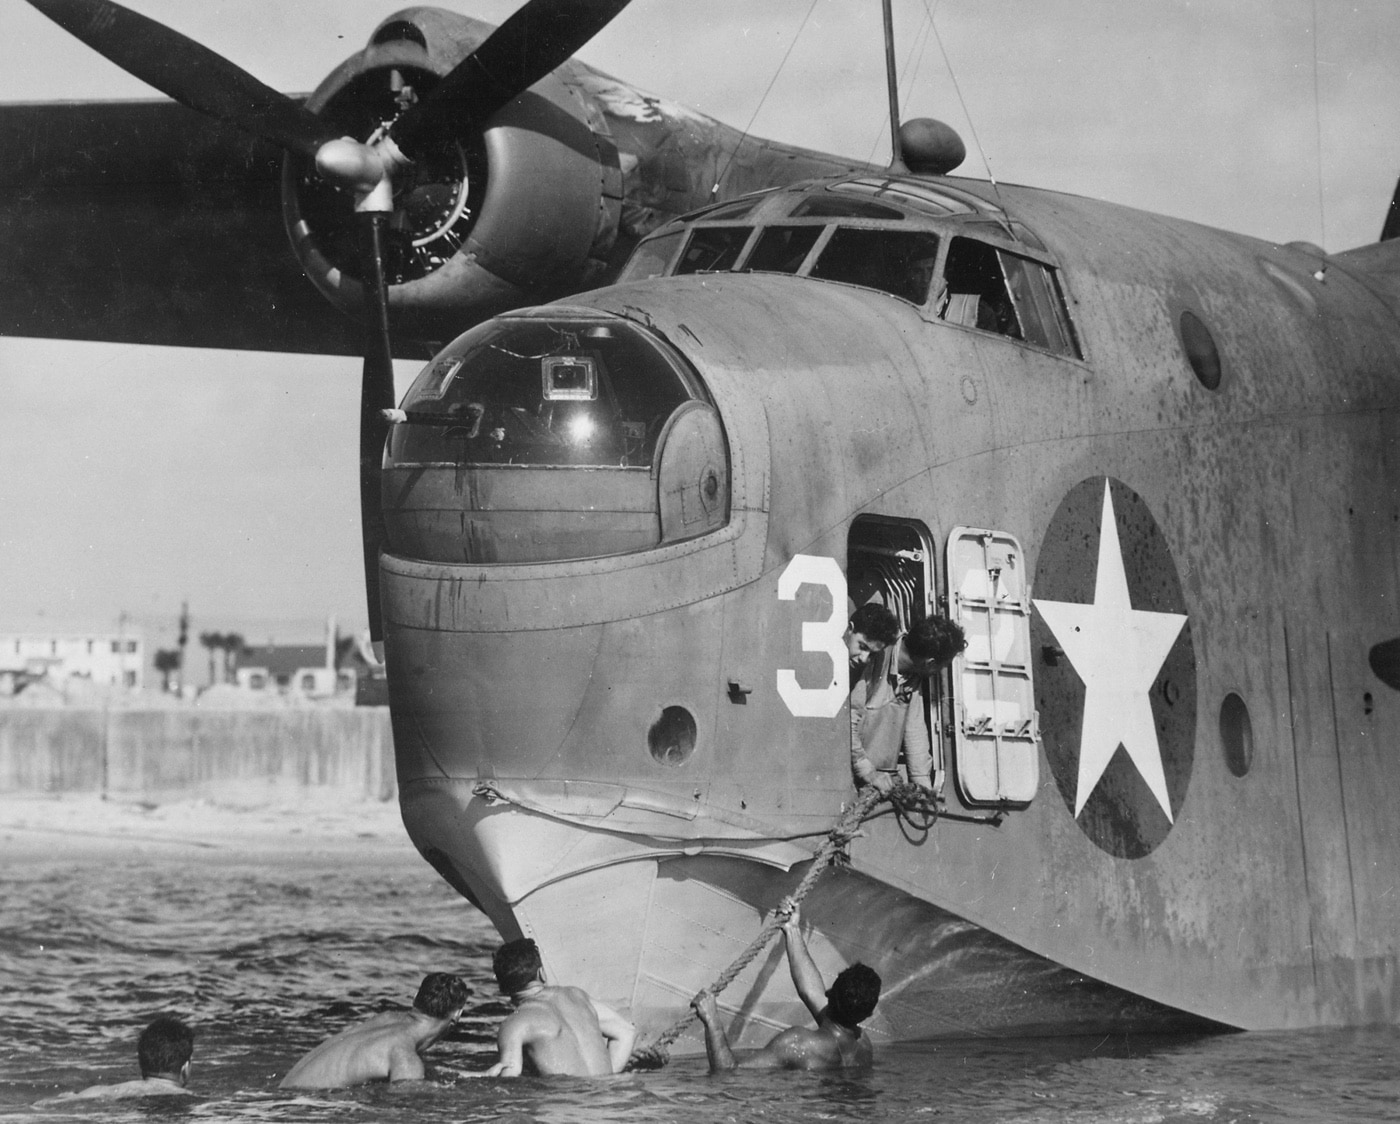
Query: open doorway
x=891, y=561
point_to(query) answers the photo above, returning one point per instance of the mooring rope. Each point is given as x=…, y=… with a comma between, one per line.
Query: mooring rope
x=904, y=797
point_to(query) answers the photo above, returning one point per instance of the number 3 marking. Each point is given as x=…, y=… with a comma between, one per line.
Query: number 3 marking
x=817, y=636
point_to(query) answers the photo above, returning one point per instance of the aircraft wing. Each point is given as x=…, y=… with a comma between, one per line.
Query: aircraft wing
x=144, y=222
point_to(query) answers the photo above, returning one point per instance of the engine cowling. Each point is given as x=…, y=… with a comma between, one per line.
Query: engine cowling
x=520, y=212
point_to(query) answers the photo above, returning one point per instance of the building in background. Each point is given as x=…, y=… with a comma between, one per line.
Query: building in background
x=115, y=659
x=273, y=667
x=343, y=668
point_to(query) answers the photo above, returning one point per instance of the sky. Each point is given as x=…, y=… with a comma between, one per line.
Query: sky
x=228, y=479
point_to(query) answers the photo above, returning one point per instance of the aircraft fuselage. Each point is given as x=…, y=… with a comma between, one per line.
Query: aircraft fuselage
x=1240, y=870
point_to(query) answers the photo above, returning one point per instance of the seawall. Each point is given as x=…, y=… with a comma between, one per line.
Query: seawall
x=236, y=757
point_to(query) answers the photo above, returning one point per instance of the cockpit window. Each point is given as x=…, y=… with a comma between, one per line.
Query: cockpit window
x=651, y=258
x=927, y=200
x=544, y=392
x=782, y=249
x=899, y=262
x=712, y=249
x=997, y=291
x=738, y=209
x=828, y=206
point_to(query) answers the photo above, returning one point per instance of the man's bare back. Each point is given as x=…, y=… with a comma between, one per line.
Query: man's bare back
x=385, y=1047
x=837, y=1042
x=561, y=1030
x=144, y=1087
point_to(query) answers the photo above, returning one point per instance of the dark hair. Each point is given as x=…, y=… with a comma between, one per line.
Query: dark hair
x=516, y=964
x=873, y=621
x=440, y=994
x=164, y=1046
x=853, y=995
x=934, y=638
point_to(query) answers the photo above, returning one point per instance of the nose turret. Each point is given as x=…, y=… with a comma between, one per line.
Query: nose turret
x=553, y=435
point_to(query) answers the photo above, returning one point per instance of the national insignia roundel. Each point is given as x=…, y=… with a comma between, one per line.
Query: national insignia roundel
x=1115, y=672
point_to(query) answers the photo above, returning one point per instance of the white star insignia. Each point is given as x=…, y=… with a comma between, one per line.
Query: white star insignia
x=1117, y=651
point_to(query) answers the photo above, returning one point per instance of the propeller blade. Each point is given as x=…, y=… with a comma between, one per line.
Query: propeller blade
x=376, y=396
x=190, y=73
x=539, y=36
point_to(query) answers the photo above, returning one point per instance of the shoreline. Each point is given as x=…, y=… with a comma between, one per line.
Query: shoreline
x=70, y=826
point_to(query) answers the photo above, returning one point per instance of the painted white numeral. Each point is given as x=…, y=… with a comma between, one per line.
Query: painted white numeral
x=817, y=636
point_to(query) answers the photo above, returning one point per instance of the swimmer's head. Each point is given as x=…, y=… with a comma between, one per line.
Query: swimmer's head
x=853, y=995
x=164, y=1048
x=441, y=995
x=517, y=965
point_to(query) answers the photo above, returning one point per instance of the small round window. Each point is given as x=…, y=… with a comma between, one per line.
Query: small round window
x=1201, y=351
x=671, y=738
x=1385, y=662
x=1236, y=734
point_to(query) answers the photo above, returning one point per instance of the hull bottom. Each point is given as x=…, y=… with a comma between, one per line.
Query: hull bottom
x=647, y=932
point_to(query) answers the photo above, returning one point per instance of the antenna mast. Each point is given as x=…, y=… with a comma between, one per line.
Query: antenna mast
x=896, y=152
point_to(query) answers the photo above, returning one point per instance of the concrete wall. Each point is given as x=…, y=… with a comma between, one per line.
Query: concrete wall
x=230, y=756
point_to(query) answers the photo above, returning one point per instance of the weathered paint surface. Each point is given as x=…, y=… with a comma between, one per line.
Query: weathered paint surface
x=1264, y=900
x=1256, y=499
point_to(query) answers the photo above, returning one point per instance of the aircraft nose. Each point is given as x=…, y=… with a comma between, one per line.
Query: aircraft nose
x=553, y=435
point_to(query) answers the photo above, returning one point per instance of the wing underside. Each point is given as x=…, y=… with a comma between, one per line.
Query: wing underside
x=143, y=222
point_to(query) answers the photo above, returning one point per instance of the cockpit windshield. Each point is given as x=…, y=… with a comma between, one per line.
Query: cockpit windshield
x=544, y=391
x=957, y=257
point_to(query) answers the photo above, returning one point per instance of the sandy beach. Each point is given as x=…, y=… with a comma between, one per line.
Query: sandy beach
x=79, y=826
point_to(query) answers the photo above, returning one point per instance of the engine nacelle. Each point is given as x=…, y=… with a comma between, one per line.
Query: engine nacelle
x=516, y=214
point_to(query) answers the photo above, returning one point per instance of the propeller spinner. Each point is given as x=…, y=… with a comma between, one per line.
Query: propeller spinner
x=538, y=37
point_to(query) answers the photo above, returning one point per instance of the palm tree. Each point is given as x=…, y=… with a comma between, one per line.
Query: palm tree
x=167, y=663
x=213, y=641
x=233, y=648
x=344, y=649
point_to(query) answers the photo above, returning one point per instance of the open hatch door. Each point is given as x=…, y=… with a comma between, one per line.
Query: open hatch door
x=996, y=728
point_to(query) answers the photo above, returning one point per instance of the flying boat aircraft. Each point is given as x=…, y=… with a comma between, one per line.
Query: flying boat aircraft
x=703, y=393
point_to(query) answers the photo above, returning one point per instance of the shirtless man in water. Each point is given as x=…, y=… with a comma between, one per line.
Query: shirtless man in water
x=838, y=1042
x=554, y=1030
x=387, y=1046
x=163, y=1053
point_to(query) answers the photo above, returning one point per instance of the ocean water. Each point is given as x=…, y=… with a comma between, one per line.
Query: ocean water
x=266, y=959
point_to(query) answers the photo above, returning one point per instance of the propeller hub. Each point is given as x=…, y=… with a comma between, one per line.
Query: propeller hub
x=350, y=163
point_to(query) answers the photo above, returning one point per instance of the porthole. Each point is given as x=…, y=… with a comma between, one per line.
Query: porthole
x=1236, y=734
x=671, y=738
x=1201, y=351
x=1385, y=662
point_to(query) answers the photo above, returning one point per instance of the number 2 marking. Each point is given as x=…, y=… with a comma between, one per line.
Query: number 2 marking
x=817, y=636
